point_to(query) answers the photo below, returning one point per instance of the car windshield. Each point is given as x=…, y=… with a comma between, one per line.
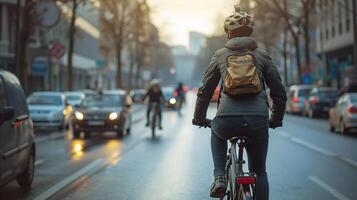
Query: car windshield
x=102, y=101
x=73, y=97
x=44, y=100
x=168, y=92
x=353, y=99
x=304, y=92
x=328, y=94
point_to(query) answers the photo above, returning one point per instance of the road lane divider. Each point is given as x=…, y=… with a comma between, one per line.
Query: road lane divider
x=328, y=188
x=349, y=161
x=313, y=147
x=316, y=148
x=39, y=162
x=87, y=171
x=93, y=166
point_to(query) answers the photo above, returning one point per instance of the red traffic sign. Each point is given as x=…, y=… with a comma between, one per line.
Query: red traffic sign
x=57, y=50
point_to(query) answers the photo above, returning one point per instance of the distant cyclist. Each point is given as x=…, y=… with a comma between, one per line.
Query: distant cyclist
x=243, y=109
x=180, y=95
x=155, y=95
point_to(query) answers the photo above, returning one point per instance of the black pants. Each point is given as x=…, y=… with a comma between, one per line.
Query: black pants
x=150, y=107
x=254, y=127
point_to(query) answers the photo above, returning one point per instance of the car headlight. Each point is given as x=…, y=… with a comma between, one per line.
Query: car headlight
x=172, y=101
x=79, y=115
x=113, y=116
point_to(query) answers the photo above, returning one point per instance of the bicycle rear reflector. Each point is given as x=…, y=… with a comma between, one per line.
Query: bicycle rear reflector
x=246, y=180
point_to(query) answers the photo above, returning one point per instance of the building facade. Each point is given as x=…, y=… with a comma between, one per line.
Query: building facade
x=335, y=39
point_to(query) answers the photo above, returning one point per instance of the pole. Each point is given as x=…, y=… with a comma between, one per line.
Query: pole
x=17, y=36
x=354, y=32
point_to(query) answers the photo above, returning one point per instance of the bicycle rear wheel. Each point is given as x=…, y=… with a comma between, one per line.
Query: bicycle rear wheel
x=245, y=192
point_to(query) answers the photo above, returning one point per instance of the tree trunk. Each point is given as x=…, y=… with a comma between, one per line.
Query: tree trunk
x=131, y=66
x=71, y=45
x=119, y=81
x=285, y=57
x=307, y=35
x=298, y=58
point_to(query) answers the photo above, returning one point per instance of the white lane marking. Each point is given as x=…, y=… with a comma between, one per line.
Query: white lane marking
x=283, y=134
x=313, y=147
x=349, y=161
x=328, y=188
x=39, y=162
x=46, y=138
x=59, y=186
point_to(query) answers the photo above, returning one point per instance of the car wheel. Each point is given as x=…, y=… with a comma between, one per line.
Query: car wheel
x=332, y=127
x=25, y=179
x=76, y=134
x=87, y=135
x=312, y=114
x=343, y=129
x=120, y=133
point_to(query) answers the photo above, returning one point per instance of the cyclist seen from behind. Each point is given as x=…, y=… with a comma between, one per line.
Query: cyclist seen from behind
x=155, y=95
x=243, y=108
x=180, y=95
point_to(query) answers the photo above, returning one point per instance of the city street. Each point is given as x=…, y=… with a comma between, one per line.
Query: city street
x=305, y=161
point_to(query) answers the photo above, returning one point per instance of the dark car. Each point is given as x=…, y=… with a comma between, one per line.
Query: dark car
x=17, y=146
x=170, y=99
x=108, y=111
x=319, y=101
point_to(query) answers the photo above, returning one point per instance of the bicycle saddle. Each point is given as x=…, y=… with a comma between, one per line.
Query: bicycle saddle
x=241, y=138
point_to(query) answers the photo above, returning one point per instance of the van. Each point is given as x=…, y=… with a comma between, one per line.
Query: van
x=17, y=143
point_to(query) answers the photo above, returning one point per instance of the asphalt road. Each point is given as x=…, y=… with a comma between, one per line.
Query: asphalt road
x=305, y=161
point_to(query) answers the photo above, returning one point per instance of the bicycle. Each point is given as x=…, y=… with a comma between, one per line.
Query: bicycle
x=241, y=185
x=155, y=114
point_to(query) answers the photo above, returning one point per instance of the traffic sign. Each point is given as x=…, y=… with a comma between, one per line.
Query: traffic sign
x=48, y=13
x=57, y=50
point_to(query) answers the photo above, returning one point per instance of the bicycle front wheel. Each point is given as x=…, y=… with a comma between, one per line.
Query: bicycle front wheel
x=153, y=125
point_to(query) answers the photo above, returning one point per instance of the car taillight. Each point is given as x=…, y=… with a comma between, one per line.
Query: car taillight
x=175, y=94
x=296, y=100
x=314, y=100
x=352, y=110
x=246, y=180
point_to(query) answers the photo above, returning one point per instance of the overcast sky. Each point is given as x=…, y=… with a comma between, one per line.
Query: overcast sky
x=175, y=18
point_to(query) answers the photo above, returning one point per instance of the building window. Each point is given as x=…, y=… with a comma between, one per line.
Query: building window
x=333, y=31
x=321, y=36
x=327, y=34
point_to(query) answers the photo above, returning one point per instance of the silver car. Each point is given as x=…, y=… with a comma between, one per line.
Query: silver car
x=49, y=110
x=297, y=95
x=343, y=116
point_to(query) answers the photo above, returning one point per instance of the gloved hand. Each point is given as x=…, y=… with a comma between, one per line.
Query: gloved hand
x=201, y=122
x=273, y=123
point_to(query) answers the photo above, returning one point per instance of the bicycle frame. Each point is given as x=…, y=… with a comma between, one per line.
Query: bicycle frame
x=155, y=114
x=234, y=169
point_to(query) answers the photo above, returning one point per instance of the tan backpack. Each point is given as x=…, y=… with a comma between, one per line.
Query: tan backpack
x=242, y=76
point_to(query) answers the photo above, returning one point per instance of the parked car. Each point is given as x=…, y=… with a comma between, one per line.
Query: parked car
x=296, y=98
x=319, y=101
x=137, y=95
x=343, y=116
x=49, y=110
x=170, y=99
x=75, y=98
x=17, y=145
x=108, y=111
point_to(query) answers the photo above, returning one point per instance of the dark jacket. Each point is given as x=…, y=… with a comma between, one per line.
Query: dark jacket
x=154, y=97
x=256, y=104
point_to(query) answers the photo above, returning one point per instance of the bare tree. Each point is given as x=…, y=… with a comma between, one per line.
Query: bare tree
x=116, y=20
x=24, y=32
